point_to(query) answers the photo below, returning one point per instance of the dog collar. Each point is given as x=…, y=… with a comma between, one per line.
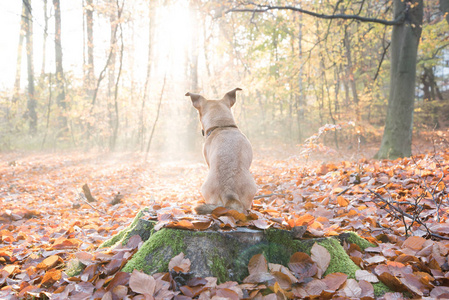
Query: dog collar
x=209, y=131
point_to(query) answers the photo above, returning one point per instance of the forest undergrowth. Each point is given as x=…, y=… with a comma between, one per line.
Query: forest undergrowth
x=47, y=219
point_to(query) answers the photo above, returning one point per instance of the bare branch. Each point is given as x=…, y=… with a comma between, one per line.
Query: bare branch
x=264, y=8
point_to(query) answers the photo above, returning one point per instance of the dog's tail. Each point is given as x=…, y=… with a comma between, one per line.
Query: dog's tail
x=205, y=209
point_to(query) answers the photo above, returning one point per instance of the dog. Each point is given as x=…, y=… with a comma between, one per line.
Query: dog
x=228, y=154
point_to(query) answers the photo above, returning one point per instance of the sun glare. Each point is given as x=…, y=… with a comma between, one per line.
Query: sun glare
x=172, y=39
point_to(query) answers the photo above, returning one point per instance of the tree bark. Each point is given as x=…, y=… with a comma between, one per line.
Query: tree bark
x=31, y=102
x=90, y=78
x=60, y=89
x=151, y=23
x=23, y=24
x=44, y=43
x=397, y=137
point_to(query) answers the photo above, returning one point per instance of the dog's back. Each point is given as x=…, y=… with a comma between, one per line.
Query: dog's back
x=228, y=154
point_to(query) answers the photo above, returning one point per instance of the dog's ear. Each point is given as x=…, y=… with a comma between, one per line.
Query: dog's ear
x=230, y=96
x=197, y=100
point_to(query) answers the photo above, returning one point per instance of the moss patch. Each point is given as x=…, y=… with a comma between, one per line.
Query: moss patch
x=150, y=259
x=74, y=267
x=136, y=227
x=217, y=265
x=354, y=238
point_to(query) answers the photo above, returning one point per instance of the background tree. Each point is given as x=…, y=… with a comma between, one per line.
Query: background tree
x=59, y=76
x=31, y=103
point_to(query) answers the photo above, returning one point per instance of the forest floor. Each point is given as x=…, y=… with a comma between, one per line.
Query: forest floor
x=45, y=219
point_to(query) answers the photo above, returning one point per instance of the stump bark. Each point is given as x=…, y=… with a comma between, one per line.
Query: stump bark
x=225, y=254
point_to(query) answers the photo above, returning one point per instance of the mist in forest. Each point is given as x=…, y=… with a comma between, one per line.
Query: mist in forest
x=111, y=75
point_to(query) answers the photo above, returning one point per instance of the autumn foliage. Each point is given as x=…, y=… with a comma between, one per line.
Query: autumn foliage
x=45, y=222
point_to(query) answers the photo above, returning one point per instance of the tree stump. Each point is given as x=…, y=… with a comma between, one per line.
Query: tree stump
x=225, y=254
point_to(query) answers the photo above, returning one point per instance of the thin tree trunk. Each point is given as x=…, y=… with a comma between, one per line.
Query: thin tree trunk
x=23, y=24
x=44, y=43
x=350, y=72
x=89, y=81
x=48, y=111
x=300, y=96
x=397, y=136
x=151, y=22
x=31, y=103
x=60, y=89
x=116, y=120
x=156, y=118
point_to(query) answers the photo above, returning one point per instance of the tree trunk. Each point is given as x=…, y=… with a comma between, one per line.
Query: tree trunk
x=151, y=24
x=31, y=103
x=397, y=137
x=350, y=73
x=23, y=24
x=226, y=254
x=44, y=43
x=60, y=89
x=89, y=80
x=111, y=71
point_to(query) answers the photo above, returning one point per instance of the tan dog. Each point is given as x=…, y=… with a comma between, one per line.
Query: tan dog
x=228, y=154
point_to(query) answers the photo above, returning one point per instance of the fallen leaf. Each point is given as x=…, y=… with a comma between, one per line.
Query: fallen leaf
x=257, y=264
x=321, y=257
x=142, y=283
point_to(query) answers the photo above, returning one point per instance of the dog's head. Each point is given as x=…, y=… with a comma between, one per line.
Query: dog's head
x=215, y=112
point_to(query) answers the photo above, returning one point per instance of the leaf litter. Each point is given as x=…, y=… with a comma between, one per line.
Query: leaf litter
x=401, y=206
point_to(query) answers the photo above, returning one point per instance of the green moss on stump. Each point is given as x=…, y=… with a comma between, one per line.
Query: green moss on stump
x=226, y=255
x=136, y=227
x=354, y=238
x=151, y=248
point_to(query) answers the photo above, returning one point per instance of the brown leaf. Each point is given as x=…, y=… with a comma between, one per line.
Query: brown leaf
x=219, y=211
x=414, y=284
x=392, y=282
x=366, y=275
x=261, y=277
x=261, y=224
x=334, y=280
x=142, y=283
x=236, y=215
x=120, y=278
x=414, y=243
x=367, y=289
x=227, y=294
x=282, y=279
x=257, y=264
x=315, y=287
x=281, y=268
x=440, y=292
x=321, y=257
x=227, y=221
x=179, y=263
x=352, y=289
x=301, y=264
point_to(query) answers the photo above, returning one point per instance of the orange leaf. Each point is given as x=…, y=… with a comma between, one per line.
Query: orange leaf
x=414, y=243
x=342, y=201
x=50, y=277
x=50, y=262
